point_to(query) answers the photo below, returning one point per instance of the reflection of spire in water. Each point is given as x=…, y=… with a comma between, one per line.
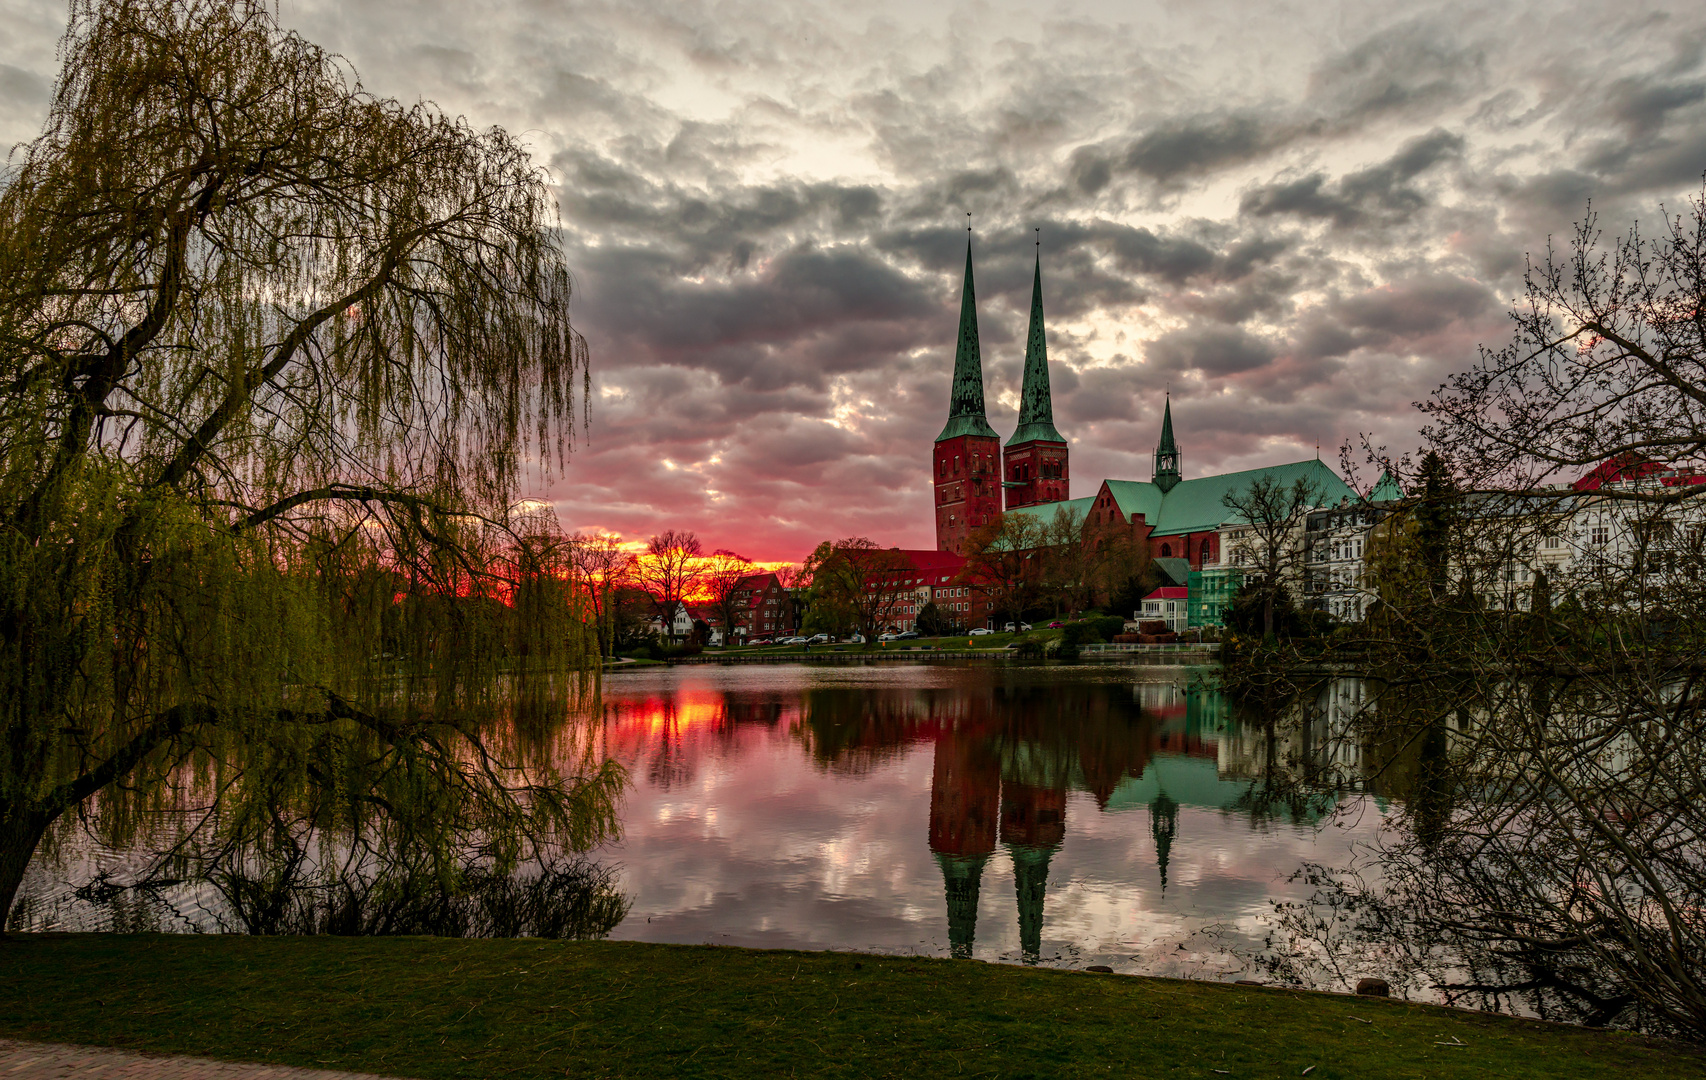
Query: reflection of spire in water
x=961, y=875
x=1033, y=823
x=1030, y=882
x=1163, y=825
x=965, y=798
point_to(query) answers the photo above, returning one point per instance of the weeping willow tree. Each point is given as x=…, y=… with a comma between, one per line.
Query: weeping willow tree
x=273, y=353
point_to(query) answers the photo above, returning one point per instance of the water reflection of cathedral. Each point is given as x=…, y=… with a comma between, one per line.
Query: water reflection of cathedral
x=1006, y=756
x=1003, y=767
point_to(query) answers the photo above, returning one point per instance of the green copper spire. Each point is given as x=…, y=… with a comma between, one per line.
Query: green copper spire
x=961, y=874
x=965, y=407
x=1036, y=410
x=1167, y=453
x=1030, y=882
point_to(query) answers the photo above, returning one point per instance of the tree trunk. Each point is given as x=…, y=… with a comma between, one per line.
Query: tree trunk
x=21, y=829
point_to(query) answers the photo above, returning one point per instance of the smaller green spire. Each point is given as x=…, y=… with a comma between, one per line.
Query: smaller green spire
x=1163, y=826
x=965, y=404
x=1167, y=452
x=1036, y=408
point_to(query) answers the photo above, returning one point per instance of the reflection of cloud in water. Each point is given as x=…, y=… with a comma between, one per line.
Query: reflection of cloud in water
x=825, y=808
x=775, y=842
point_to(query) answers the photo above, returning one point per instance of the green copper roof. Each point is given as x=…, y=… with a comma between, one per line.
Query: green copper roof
x=1036, y=409
x=1195, y=782
x=1386, y=489
x=1195, y=505
x=965, y=405
x=1044, y=512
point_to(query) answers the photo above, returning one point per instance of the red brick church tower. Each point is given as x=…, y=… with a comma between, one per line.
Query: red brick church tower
x=1035, y=466
x=966, y=466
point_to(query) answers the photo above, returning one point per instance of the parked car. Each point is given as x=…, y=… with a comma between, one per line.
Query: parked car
x=856, y=639
x=887, y=637
x=1020, y=628
x=906, y=635
x=758, y=641
x=981, y=630
x=818, y=639
x=791, y=641
x=1056, y=625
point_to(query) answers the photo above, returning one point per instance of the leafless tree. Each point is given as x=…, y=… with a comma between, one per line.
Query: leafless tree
x=1538, y=656
x=1270, y=514
x=721, y=576
x=670, y=570
x=601, y=568
x=1007, y=561
x=1608, y=360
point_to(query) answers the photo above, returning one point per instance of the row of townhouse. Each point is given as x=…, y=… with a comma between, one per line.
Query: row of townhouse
x=1601, y=527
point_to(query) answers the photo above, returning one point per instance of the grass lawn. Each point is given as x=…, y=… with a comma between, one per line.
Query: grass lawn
x=424, y=1007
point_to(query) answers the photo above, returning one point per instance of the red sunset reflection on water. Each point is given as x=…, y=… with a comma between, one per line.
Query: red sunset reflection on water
x=941, y=810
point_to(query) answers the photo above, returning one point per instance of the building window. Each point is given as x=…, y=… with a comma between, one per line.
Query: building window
x=1166, y=551
x=1207, y=552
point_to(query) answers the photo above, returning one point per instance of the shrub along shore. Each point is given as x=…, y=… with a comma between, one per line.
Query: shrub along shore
x=436, y=1007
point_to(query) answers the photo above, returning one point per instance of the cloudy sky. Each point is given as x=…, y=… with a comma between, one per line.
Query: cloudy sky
x=1299, y=217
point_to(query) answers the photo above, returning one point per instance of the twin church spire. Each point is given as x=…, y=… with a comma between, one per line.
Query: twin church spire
x=965, y=404
x=976, y=478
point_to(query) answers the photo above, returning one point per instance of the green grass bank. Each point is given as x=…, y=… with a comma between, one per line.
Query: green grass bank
x=429, y=1008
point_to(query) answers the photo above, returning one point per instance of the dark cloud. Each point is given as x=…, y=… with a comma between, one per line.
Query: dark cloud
x=1642, y=105
x=1211, y=349
x=1412, y=68
x=1297, y=220
x=1382, y=193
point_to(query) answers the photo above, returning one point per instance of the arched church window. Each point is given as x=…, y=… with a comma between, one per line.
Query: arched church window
x=1166, y=551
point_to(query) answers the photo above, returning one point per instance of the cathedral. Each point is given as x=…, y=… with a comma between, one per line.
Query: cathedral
x=976, y=478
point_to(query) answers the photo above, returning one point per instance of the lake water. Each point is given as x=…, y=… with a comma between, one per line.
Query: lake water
x=1062, y=816
x=1066, y=816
